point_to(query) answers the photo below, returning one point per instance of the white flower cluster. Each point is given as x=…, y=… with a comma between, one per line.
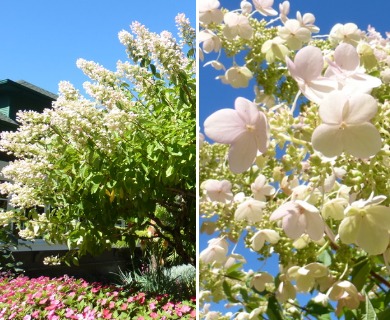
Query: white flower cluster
x=303, y=177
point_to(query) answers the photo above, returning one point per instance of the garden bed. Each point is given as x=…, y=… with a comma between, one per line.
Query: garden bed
x=70, y=298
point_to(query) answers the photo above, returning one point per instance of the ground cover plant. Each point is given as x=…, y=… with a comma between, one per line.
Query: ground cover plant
x=70, y=298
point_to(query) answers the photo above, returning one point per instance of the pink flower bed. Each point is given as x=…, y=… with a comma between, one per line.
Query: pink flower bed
x=70, y=298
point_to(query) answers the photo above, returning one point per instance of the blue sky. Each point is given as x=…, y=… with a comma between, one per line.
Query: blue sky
x=41, y=40
x=213, y=95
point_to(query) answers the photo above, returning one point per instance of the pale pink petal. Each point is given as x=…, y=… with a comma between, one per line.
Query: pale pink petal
x=292, y=68
x=315, y=226
x=294, y=225
x=284, y=209
x=327, y=139
x=224, y=126
x=346, y=57
x=361, y=141
x=242, y=153
x=307, y=206
x=247, y=111
x=262, y=133
x=331, y=108
x=362, y=107
x=309, y=63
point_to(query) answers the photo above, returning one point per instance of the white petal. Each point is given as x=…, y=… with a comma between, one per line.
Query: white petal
x=316, y=90
x=327, y=140
x=271, y=235
x=349, y=228
x=371, y=239
x=379, y=216
x=224, y=126
x=257, y=241
x=331, y=108
x=285, y=209
x=362, y=108
x=246, y=31
x=250, y=210
x=362, y=141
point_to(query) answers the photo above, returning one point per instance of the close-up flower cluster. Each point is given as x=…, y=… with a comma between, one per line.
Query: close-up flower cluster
x=297, y=173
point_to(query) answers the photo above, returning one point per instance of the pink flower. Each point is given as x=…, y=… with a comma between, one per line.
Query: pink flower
x=245, y=129
x=69, y=312
x=107, y=314
x=306, y=70
x=299, y=217
x=347, y=71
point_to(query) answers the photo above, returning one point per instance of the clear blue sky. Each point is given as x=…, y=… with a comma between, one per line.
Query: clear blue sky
x=41, y=40
x=213, y=95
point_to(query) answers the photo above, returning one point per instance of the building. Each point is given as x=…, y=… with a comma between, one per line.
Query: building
x=19, y=95
x=16, y=96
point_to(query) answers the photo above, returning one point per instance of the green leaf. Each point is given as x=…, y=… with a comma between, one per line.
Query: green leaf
x=75, y=261
x=273, y=309
x=370, y=311
x=227, y=290
x=384, y=315
x=360, y=273
x=318, y=309
x=169, y=171
x=325, y=258
x=153, y=68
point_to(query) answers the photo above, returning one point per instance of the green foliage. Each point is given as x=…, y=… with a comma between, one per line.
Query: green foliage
x=179, y=282
x=7, y=243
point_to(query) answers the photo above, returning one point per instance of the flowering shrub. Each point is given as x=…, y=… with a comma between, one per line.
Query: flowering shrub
x=70, y=298
x=118, y=155
x=299, y=172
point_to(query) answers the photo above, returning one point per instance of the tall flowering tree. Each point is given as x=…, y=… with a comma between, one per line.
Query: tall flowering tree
x=118, y=164
x=296, y=172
